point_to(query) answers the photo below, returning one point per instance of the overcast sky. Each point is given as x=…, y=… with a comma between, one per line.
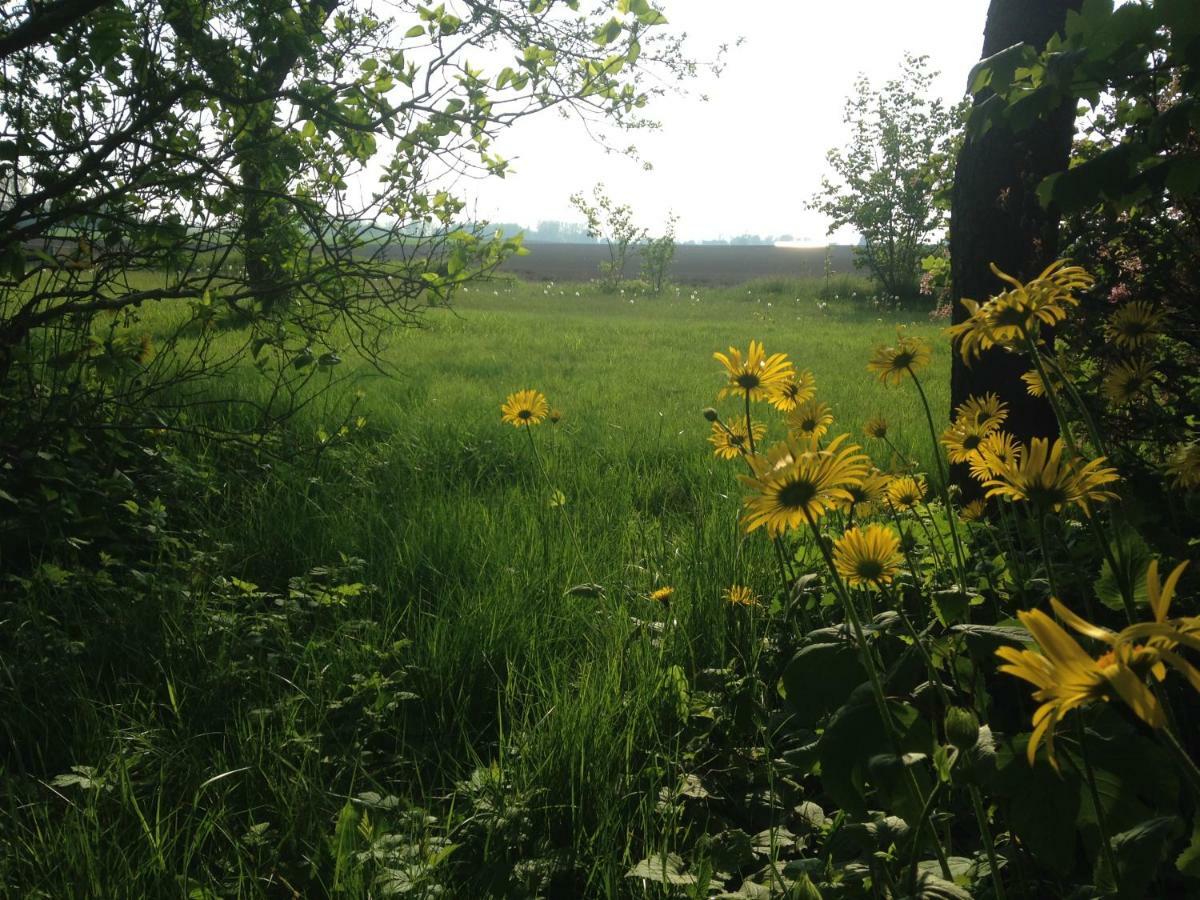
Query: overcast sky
x=748, y=159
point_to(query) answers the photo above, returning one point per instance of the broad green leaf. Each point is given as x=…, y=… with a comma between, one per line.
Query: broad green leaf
x=666, y=869
x=819, y=679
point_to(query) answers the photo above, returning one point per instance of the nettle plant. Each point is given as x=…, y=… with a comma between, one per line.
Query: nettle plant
x=994, y=699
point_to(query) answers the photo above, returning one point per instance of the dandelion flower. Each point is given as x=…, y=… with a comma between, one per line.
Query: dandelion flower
x=791, y=393
x=756, y=376
x=905, y=357
x=524, y=408
x=1041, y=477
x=876, y=427
x=1134, y=324
x=663, y=594
x=810, y=420
x=739, y=595
x=1184, y=467
x=730, y=442
x=1128, y=380
x=795, y=485
x=906, y=492
x=1067, y=677
x=868, y=556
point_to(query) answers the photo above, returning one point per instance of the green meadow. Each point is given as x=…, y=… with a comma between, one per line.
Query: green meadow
x=433, y=645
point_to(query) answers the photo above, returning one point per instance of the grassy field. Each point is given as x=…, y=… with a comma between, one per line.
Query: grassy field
x=469, y=702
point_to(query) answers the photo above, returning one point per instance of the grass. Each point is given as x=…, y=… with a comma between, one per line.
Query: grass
x=477, y=700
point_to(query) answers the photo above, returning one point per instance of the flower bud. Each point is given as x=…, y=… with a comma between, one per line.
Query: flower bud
x=962, y=728
x=803, y=889
x=711, y=414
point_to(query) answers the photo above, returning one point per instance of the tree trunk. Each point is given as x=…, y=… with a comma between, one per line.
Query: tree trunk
x=996, y=218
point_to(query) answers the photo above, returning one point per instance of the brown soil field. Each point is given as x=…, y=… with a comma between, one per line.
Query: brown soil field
x=693, y=264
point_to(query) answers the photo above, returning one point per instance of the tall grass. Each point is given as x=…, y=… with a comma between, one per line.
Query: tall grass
x=220, y=751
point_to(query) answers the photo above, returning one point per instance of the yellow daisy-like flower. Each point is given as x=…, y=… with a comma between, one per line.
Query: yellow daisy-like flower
x=663, y=594
x=892, y=363
x=739, y=595
x=963, y=439
x=555, y=416
x=867, y=496
x=756, y=376
x=1128, y=380
x=1017, y=314
x=1041, y=477
x=906, y=492
x=810, y=420
x=730, y=442
x=1033, y=383
x=868, y=557
x=1066, y=677
x=876, y=427
x=524, y=408
x=997, y=452
x=1184, y=467
x=974, y=511
x=987, y=412
x=1134, y=324
x=791, y=393
x=798, y=484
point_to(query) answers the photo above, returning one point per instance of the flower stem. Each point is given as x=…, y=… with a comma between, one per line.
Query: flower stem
x=570, y=525
x=945, y=484
x=985, y=832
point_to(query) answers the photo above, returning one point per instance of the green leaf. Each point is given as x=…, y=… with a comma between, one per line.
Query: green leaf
x=819, y=679
x=1188, y=862
x=666, y=869
x=415, y=31
x=1139, y=851
x=1040, y=805
x=609, y=32
x=1133, y=558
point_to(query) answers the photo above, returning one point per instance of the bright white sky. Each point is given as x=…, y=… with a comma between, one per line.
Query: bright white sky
x=748, y=159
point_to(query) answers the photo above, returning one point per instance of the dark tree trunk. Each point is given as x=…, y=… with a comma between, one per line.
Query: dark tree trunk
x=996, y=218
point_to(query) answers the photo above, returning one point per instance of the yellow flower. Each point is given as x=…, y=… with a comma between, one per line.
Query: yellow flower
x=1066, y=677
x=1041, y=477
x=757, y=376
x=868, y=556
x=791, y=393
x=1184, y=467
x=987, y=412
x=663, y=594
x=810, y=420
x=998, y=450
x=974, y=511
x=1134, y=324
x=739, y=595
x=891, y=364
x=876, y=427
x=1033, y=383
x=963, y=439
x=1127, y=380
x=906, y=492
x=731, y=442
x=1011, y=317
x=555, y=416
x=867, y=495
x=524, y=408
x=796, y=484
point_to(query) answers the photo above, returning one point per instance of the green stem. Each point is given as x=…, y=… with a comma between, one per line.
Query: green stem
x=885, y=715
x=1101, y=819
x=945, y=484
x=985, y=831
x=1186, y=764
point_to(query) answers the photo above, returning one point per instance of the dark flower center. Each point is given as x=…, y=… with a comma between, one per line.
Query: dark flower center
x=869, y=569
x=525, y=414
x=797, y=494
x=971, y=441
x=748, y=381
